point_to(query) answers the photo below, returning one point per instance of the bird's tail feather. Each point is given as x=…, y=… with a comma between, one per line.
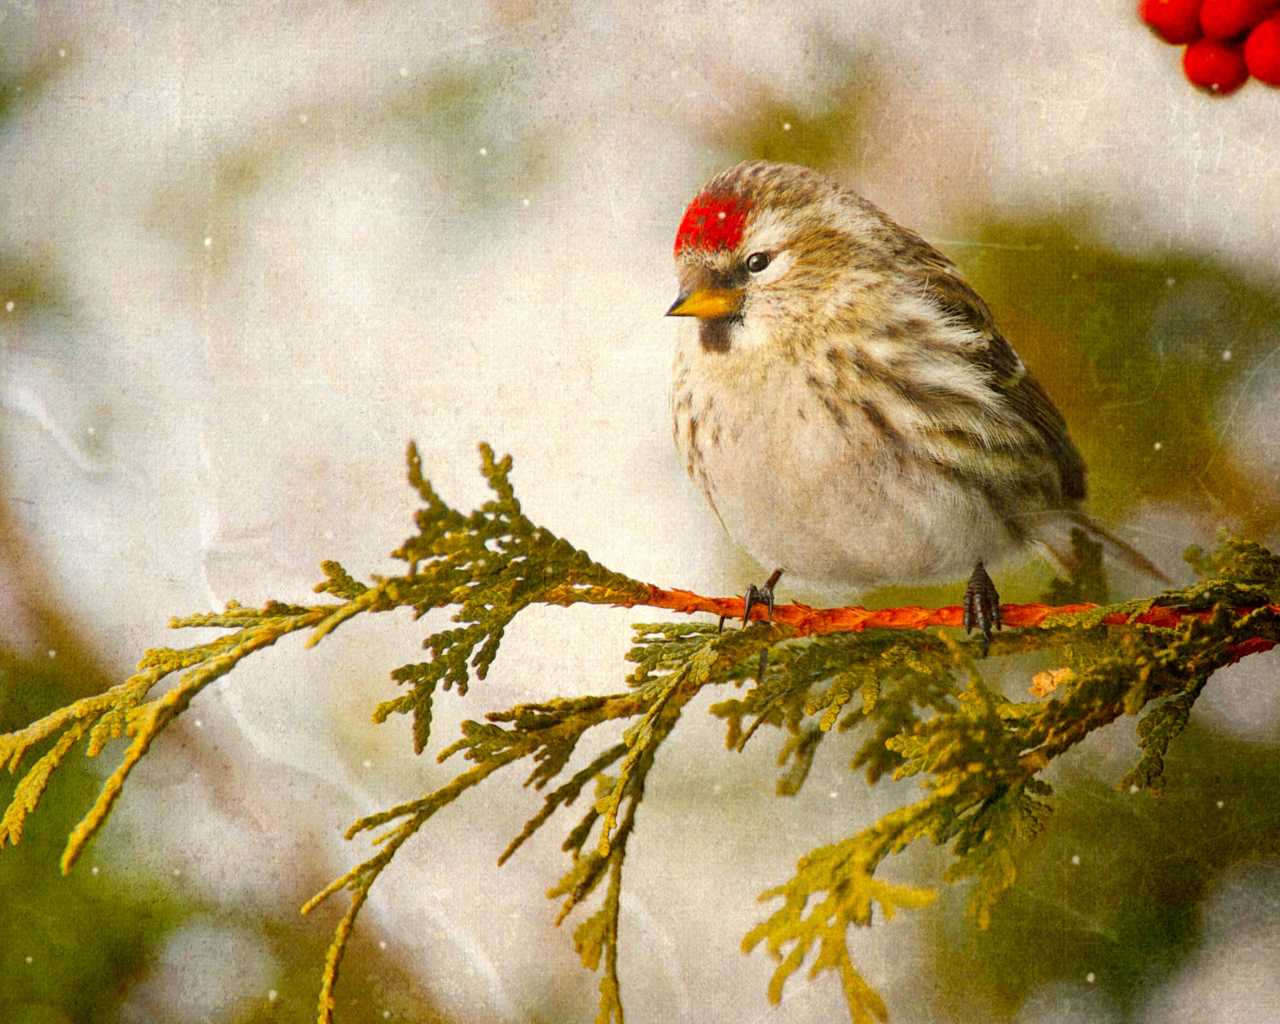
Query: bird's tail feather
x=1128, y=554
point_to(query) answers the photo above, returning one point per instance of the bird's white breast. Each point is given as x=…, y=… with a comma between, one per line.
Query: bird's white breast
x=805, y=482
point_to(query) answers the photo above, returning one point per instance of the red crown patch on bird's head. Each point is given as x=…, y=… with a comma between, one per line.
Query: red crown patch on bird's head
x=714, y=221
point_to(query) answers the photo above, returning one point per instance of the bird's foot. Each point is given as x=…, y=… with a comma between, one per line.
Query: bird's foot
x=760, y=595
x=981, y=606
x=757, y=595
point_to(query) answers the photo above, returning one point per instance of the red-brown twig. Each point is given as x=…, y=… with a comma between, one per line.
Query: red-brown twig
x=807, y=621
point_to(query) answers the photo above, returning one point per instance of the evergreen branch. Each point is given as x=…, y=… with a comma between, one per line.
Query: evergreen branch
x=425, y=807
x=369, y=599
x=147, y=721
x=641, y=742
x=122, y=709
x=803, y=620
x=361, y=878
x=844, y=872
x=980, y=753
x=27, y=793
x=337, y=947
x=902, y=676
x=14, y=745
x=563, y=796
x=610, y=990
x=597, y=936
x=538, y=727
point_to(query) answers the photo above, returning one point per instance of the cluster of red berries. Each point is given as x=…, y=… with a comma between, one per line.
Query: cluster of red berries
x=1226, y=40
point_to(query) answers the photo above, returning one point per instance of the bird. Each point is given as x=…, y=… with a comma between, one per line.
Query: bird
x=847, y=404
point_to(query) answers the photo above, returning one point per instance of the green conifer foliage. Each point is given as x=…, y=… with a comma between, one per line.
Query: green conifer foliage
x=906, y=701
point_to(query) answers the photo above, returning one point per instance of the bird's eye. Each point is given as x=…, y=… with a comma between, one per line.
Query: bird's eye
x=757, y=261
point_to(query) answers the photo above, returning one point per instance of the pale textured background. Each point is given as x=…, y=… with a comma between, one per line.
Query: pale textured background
x=273, y=280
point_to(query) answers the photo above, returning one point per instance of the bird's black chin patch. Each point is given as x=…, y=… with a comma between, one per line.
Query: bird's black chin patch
x=716, y=335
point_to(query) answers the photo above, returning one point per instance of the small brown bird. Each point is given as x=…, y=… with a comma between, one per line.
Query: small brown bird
x=847, y=403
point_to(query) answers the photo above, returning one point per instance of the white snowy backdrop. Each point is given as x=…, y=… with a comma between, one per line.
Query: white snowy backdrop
x=275, y=242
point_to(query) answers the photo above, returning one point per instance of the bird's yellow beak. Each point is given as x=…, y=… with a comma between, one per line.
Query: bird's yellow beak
x=707, y=303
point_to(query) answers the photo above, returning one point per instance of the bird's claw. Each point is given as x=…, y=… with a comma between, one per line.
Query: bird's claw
x=754, y=596
x=757, y=595
x=981, y=606
x=760, y=595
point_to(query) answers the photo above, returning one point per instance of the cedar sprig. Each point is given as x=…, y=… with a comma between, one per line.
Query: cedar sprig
x=901, y=688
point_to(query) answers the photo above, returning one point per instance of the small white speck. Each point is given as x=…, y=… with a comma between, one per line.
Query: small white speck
x=833, y=794
x=386, y=1014
x=53, y=654
x=483, y=151
x=92, y=430
x=404, y=72
x=716, y=788
x=177, y=872
x=94, y=870
x=266, y=417
x=8, y=307
x=208, y=241
x=1133, y=789
x=1169, y=282
x=199, y=724
x=720, y=215
x=62, y=53
x=367, y=764
x=1221, y=805
x=302, y=119
x=272, y=995
x=786, y=126
x=29, y=960
x=1226, y=355
x=382, y=944
x=1075, y=859
x=328, y=535
x=524, y=202
x=1089, y=977
x=1158, y=446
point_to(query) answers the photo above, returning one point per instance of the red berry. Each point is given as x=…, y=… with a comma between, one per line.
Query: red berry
x=1226, y=19
x=1215, y=66
x=1177, y=21
x=1262, y=52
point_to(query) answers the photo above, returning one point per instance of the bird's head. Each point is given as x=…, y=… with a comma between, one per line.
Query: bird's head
x=774, y=253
